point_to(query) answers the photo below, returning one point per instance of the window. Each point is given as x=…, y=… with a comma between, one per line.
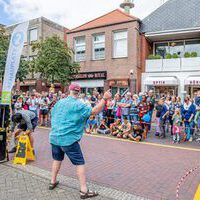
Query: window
x=80, y=49
x=120, y=47
x=176, y=48
x=161, y=49
x=193, y=46
x=33, y=35
x=98, y=46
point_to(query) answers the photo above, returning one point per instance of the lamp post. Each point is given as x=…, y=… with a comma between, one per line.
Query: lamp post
x=132, y=82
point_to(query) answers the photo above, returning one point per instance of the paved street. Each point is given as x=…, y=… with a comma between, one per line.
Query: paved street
x=140, y=169
x=21, y=185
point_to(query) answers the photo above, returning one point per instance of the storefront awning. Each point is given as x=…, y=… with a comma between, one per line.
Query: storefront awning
x=161, y=81
x=193, y=80
x=90, y=83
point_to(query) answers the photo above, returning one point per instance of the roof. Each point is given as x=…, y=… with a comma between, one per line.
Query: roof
x=173, y=15
x=114, y=17
x=38, y=18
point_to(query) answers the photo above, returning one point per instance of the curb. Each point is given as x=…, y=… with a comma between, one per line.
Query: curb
x=65, y=181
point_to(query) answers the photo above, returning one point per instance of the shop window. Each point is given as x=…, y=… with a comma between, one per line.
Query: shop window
x=120, y=47
x=80, y=47
x=99, y=47
x=193, y=46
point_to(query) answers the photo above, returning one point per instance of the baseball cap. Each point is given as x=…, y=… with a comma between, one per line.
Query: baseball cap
x=75, y=87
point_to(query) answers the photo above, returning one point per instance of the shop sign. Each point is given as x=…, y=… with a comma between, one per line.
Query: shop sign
x=92, y=75
x=118, y=83
x=158, y=82
x=28, y=82
x=194, y=82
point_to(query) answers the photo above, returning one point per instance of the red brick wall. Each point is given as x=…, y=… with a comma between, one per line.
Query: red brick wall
x=146, y=49
x=116, y=68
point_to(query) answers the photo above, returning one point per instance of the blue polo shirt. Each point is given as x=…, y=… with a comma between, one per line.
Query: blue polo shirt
x=163, y=111
x=68, y=118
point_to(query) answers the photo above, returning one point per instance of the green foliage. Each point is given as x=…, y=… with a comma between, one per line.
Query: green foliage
x=187, y=55
x=153, y=57
x=4, y=45
x=54, y=61
x=194, y=54
x=168, y=56
x=23, y=70
x=175, y=55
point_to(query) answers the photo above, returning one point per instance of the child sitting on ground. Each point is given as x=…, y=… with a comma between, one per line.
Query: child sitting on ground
x=103, y=129
x=176, y=126
x=137, y=133
x=125, y=130
x=115, y=127
x=91, y=125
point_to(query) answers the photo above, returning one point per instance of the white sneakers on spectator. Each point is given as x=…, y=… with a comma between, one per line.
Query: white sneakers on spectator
x=191, y=139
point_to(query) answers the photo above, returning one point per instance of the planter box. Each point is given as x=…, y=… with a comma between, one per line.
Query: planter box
x=172, y=64
x=190, y=64
x=154, y=65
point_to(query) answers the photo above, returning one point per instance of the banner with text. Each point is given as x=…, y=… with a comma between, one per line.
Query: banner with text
x=13, y=59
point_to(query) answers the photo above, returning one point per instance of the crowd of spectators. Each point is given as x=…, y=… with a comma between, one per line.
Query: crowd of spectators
x=131, y=116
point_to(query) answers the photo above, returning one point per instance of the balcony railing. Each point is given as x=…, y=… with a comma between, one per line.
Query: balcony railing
x=173, y=65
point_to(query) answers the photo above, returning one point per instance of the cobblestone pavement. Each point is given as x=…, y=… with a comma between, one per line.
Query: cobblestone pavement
x=31, y=183
x=136, y=168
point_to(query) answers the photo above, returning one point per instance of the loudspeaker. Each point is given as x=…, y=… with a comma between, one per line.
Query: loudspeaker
x=4, y=127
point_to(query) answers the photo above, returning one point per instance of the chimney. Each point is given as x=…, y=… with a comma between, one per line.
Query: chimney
x=127, y=5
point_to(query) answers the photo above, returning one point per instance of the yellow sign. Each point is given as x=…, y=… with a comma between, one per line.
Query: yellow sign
x=24, y=151
x=197, y=195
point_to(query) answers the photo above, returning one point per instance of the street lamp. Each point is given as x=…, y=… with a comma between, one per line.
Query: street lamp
x=132, y=83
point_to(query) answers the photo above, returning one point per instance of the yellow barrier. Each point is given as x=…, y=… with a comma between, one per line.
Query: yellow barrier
x=197, y=195
x=24, y=151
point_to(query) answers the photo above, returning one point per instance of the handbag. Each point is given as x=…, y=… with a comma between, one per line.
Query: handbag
x=118, y=114
x=146, y=118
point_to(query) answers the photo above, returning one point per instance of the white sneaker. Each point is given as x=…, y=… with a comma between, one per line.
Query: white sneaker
x=190, y=140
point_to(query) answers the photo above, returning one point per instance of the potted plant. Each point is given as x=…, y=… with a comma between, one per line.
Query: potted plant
x=153, y=57
x=194, y=54
x=168, y=56
x=175, y=55
x=187, y=55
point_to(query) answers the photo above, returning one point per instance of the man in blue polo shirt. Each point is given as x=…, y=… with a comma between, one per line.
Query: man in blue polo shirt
x=68, y=119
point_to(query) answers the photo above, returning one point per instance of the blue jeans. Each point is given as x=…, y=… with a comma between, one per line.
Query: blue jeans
x=134, y=119
x=150, y=113
x=189, y=129
x=99, y=118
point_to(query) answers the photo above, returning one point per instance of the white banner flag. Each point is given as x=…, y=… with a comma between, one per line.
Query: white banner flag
x=13, y=59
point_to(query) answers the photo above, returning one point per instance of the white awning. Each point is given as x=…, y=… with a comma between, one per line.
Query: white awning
x=193, y=80
x=161, y=81
x=90, y=83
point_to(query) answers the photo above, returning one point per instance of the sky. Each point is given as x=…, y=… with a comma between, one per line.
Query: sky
x=69, y=13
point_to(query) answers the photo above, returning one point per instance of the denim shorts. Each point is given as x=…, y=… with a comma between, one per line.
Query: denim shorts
x=72, y=151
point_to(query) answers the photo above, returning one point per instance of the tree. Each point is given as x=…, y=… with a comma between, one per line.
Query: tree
x=54, y=61
x=4, y=45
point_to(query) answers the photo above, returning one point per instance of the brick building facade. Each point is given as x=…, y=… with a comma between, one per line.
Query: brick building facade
x=172, y=37
x=39, y=29
x=108, y=45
